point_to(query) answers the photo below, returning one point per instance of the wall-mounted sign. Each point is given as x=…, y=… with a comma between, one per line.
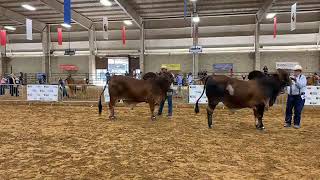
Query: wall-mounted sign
x=172, y=67
x=195, y=49
x=223, y=67
x=286, y=65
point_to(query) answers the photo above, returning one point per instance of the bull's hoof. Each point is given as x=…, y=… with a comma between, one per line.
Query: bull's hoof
x=260, y=128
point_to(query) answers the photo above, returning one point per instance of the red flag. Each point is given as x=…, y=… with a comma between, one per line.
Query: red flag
x=60, y=36
x=124, y=35
x=274, y=27
x=3, y=37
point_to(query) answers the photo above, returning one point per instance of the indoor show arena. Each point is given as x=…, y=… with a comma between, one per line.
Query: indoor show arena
x=159, y=89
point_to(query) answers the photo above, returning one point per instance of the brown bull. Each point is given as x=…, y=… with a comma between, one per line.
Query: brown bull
x=133, y=91
x=238, y=94
x=72, y=84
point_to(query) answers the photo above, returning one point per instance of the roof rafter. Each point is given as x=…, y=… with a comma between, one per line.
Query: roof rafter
x=17, y=17
x=261, y=14
x=77, y=17
x=128, y=9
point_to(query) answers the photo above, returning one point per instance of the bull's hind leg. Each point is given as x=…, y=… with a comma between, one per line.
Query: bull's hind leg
x=112, y=104
x=152, y=107
x=211, y=107
x=258, y=113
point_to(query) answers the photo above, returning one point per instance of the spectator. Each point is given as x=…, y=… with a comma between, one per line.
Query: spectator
x=169, y=98
x=180, y=84
x=231, y=72
x=2, y=86
x=21, y=78
x=11, y=83
x=190, y=78
x=63, y=88
x=296, y=98
x=17, y=82
x=265, y=70
x=317, y=78
x=108, y=77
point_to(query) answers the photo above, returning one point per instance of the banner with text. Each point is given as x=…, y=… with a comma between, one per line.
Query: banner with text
x=313, y=96
x=195, y=92
x=286, y=65
x=44, y=93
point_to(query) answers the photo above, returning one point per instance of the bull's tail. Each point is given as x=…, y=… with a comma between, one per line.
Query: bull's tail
x=100, y=100
x=197, y=109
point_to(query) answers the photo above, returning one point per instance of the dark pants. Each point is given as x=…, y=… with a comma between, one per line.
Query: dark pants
x=14, y=90
x=2, y=90
x=294, y=102
x=169, y=98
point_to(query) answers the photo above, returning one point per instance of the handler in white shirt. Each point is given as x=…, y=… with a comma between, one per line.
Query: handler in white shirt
x=296, y=98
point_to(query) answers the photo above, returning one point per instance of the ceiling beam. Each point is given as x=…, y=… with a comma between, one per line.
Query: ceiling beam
x=14, y=16
x=261, y=14
x=128, y=9
x=77, y=17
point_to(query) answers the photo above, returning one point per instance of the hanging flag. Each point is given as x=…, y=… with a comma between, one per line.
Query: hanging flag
x=67, y=11
x=275, y=27
x=124, y=35
x=293, y=16
x=318, y=41
x=185, y=8
x=105, y=28
x=29, y=29
x=60, y=36
x=3, y=37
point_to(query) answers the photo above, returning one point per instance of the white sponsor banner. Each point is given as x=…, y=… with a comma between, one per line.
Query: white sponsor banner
x=106, y=95
x=313, y=96
x=105, y=27
x=286, y=65
x=293, y=16
x=44, y=93
x=29, y=29
x=195, y=92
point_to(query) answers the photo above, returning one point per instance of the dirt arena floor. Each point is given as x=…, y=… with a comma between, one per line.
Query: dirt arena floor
x=68, y=142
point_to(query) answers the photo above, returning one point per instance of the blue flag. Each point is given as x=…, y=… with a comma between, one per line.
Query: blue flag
x=67, y=11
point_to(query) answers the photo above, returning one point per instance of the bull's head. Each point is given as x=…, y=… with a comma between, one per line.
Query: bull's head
x=284, y=77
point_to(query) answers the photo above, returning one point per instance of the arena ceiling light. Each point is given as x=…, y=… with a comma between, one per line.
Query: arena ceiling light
x=28, y=7
x=271, y=15
x=106, y=2
x=193, y=0
x=127, y=22
x=66, y=25
x=12, y=28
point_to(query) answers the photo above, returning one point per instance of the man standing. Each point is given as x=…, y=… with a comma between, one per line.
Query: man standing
x=296, y=98
x=168, y=97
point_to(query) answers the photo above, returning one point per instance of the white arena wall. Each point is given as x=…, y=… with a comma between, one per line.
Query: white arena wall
x=243, y=62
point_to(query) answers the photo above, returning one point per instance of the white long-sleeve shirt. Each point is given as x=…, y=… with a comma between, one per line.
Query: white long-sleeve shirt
x=298, y=87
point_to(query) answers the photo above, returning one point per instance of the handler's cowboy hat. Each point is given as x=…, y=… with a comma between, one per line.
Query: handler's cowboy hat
x=297, y=68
